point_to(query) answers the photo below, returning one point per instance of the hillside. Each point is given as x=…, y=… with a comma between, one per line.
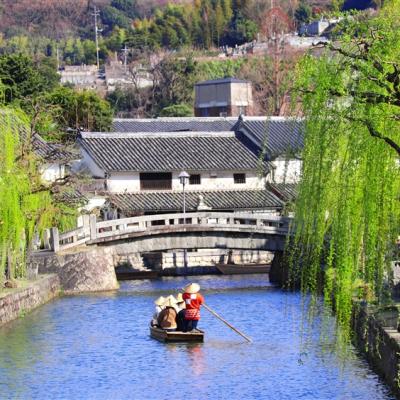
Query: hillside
x=58, y=19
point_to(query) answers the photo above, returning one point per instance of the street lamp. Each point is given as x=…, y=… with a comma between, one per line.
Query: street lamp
x=183, y=178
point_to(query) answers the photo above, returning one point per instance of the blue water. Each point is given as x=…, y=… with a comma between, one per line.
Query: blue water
x=98, y=347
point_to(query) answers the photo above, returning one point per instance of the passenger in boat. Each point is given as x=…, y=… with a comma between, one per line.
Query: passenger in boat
x=159, y=307
x=193, y=301
x=180, y=308
x=167, y=317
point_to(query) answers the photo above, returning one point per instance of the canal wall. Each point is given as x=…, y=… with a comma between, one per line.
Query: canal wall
x=88, y=270
x=23, y=300
x=379, y=340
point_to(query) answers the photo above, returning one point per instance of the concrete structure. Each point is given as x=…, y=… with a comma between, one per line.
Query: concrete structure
x=119, y=75
x=223, y=98
x=84, y=76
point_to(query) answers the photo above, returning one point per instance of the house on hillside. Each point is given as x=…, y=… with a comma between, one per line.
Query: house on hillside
x=140, y=171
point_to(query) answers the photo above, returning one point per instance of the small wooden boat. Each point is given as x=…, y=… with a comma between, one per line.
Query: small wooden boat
x=195, y=336
x=229, y=269
x=131, y=275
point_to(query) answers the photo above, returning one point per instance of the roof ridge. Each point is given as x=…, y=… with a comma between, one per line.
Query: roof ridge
x=151, y=135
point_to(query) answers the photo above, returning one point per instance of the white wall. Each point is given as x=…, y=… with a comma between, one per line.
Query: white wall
x=130, y=182
x=286, y=171
x=52, y=172
x=123, y=182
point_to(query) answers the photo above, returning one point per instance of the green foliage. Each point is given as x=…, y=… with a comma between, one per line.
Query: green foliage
x=23, y=211
x=177, y=110
x=23, y=78
x=303, y=13
x=78, y=110
x=347, y=214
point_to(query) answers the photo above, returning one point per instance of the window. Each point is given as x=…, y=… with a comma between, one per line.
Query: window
x=242, y=110
x=204, y=112
x=239, y=178
x=195, y=179
x=156, y=181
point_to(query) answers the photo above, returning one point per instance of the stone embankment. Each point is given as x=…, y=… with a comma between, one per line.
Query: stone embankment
x=20, y=301
x=89, y=270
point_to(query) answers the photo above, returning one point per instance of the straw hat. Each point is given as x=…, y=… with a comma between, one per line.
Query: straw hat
x=179, y=298
x=170, y=301
x=160, y=301
x=192, y=288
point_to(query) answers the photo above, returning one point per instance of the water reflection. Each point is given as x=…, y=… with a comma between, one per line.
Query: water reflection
x=98, y=347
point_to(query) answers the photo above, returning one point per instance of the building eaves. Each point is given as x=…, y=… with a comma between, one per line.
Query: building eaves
x=221, y=81
x=217, y=200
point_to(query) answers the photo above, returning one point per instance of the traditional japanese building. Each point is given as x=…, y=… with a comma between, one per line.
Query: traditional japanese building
x=141, y=172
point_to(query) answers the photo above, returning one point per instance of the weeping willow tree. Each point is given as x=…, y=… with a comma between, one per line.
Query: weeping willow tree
x=25, y=205
x=347, y=212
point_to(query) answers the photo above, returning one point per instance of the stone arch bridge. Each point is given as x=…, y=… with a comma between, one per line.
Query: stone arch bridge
x=85, y=258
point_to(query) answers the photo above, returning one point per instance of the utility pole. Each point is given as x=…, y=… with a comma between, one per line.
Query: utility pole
x=96, y=13
x=125, y=51
x=58, y=57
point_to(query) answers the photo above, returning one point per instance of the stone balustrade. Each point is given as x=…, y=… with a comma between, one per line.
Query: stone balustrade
x=112, y=230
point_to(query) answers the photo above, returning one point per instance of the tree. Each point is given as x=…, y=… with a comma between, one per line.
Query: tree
x=22, y=78
x=177, y=110
x=26, y=207
x=303, y=13
x=80, y=110
x=347, y=212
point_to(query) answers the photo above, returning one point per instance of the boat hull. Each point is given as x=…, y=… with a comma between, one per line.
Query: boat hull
x=233, y=269
x=176, y=336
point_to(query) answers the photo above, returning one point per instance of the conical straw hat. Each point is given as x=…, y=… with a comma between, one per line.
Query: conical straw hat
x=160, y=301
x=170, y=301
x=192, y=288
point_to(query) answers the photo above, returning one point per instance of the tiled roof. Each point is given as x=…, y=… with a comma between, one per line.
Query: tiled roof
x=168, y=152
x=277, y=135
x=195, y=124
x=50, y=151
x=43, y=149
x=217, y=200
x=285, y=191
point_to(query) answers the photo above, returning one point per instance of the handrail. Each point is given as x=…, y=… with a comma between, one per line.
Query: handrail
x=93, y=230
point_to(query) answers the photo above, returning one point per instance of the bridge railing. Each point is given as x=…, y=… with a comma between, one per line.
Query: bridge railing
x=114, y=229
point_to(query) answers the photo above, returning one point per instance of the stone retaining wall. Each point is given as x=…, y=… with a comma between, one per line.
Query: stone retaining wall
x=380, y=346
x=23, y=300
x=89, y=270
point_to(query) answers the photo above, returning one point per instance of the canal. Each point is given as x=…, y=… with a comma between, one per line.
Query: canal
x=97, y=347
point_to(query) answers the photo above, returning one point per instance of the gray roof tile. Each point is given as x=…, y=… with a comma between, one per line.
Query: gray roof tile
x=285, y=191
x=168, y=152
x=217, y=200
x=277, y=135
x=195, y=124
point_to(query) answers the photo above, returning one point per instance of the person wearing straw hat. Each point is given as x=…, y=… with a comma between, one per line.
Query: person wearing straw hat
x=193, y=301
x=167, y=317
x=159, y=306
x=180, y=308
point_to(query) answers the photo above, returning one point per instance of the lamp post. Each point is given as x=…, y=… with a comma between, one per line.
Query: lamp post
x=183, y=178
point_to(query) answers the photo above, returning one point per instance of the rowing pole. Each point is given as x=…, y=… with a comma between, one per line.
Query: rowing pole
x=226, y=322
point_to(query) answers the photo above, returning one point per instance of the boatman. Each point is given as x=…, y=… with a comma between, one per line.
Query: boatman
x=193, y=300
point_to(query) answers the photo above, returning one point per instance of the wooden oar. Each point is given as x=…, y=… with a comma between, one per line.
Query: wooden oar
x=226, y=322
